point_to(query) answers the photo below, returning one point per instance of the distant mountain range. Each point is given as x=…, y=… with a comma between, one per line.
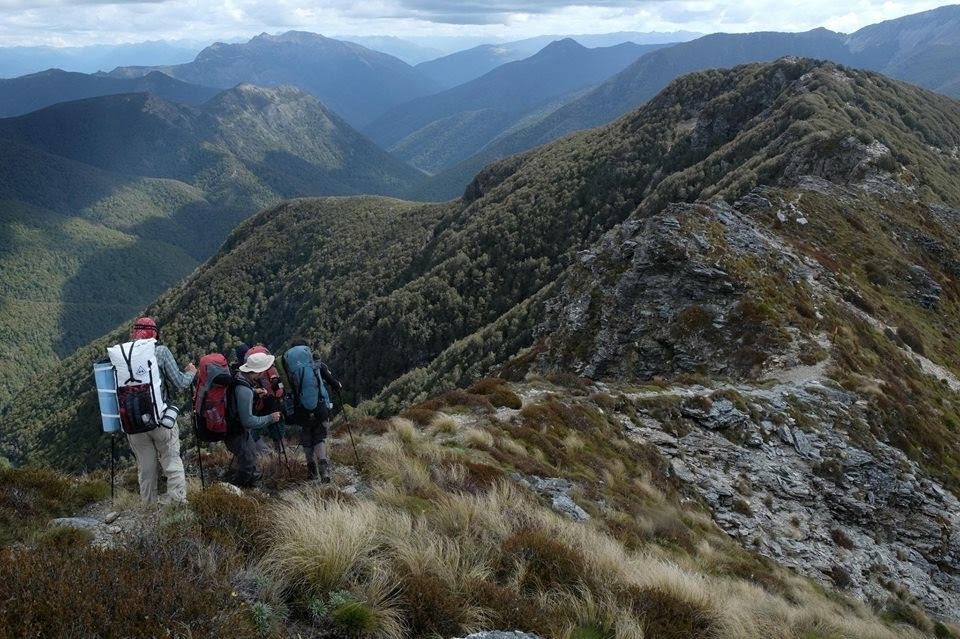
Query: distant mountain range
x=31, y=92
x=356, y=82
x=923, y=48
x=109, y=201
x=437, y=131
x=17, y=61
x=463, y=66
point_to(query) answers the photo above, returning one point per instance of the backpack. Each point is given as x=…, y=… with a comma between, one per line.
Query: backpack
x=268, y=380
x=140, y=396
x=212, y=399
x=305, y=380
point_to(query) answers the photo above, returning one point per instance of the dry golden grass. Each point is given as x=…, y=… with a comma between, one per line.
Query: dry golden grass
x=475, y=437
x=443, y=423
x=316, y=545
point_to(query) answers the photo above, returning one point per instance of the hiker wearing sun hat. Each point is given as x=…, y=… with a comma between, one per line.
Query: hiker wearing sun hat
x=240, y=442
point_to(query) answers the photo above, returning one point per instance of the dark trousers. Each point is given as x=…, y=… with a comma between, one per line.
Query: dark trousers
x=244, y=450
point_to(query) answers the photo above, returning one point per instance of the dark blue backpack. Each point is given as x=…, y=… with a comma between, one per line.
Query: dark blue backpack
x=305, y=380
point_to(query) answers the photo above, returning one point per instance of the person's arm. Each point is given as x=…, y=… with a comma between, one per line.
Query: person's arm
x=171, y=371
x=329, y=378
x=243, y=395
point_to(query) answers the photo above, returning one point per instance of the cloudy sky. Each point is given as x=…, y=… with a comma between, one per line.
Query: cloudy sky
x=81, y=22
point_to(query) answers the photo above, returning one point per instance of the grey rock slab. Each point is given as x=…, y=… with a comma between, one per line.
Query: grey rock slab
x=85, y=523
x=111, y=517
x=499, y=634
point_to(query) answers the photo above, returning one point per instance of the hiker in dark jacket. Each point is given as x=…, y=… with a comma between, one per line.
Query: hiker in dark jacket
x=315, y=425
x=241, y=444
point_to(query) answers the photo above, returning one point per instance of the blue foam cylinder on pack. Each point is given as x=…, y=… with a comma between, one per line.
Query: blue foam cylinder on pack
x=107, y=394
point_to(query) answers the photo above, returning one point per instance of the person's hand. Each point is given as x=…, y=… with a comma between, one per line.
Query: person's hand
x=261, y=392
x=276, y=417
x=190, y=368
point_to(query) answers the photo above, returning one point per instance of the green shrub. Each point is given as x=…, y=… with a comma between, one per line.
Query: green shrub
x=667, y=615
x=57, y=538
x=31, y=496
x=137, y=592
x=235, y=522
x=591, y=631
x=354, y=617
x=544, y=561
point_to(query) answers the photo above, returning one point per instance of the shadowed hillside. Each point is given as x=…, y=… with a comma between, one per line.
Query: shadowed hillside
x=108, y=202
x=37, y=90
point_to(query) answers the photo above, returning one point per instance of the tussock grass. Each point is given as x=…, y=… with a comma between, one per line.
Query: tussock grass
x=404, y=431
x=477, y=438
x=315, y=545
x=443, y=423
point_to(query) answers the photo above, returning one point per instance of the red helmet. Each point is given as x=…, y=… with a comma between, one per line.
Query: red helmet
x=144, y=328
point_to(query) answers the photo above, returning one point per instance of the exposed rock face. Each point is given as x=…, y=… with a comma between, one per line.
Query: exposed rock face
x=558, y=491
x=811, y=498
x=652, y=299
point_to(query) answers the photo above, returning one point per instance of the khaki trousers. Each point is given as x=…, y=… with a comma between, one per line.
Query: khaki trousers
x=161, y=444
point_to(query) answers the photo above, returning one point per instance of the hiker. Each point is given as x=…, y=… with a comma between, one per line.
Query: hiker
x=245, y=393
x=308, y=377
x=149, y=422
x=264, y=403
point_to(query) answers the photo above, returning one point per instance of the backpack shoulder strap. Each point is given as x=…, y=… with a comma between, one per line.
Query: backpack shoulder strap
x=128, y=359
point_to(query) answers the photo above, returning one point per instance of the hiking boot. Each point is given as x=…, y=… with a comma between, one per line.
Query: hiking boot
x=325, y=471
x=311, y=470
x=247, y=480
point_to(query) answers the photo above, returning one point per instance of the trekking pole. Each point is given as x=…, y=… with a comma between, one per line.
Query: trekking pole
x=349, y=430
x=196, y=435
x=113, y=456
x=282, y=453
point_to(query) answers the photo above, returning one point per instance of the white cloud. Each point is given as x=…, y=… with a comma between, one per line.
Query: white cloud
x=77, y=22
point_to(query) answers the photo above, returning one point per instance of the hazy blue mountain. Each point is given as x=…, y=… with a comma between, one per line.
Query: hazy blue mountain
x=17, y=61
x=463, y=66
x=923, y=48
x=356, y=82
x=409, y=52
x=31, y=92
x=496, y=100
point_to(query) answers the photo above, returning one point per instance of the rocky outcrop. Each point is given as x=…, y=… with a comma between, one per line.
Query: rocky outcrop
x=855, y=515
x=653, y=298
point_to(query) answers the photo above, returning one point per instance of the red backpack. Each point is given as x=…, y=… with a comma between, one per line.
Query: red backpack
x=211, y=398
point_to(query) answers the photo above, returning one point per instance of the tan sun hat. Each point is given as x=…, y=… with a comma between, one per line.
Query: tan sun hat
x=257, y=363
